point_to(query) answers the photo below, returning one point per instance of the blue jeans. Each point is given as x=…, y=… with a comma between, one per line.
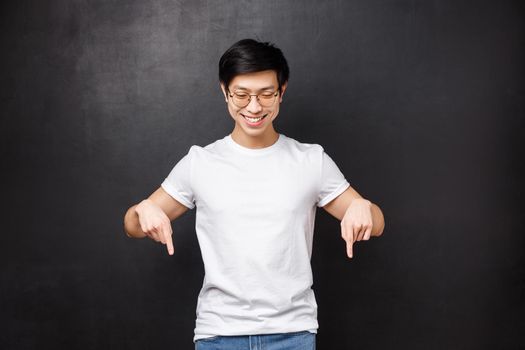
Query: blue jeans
x=281, y=341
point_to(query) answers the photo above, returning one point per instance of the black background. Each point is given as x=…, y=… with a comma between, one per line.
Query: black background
x=420, y=103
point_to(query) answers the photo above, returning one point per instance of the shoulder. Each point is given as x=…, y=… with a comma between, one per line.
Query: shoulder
x=211, y=149
x=302, y=148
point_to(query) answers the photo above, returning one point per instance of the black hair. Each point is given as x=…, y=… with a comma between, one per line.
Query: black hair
x=250, y=56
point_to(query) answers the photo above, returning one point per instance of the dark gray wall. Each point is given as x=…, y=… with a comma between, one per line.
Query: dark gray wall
x=420, y=103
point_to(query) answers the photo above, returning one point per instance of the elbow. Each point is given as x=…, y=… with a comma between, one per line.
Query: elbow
x=127, y=224
x=382, y=226
x=126, y=230
x=380, y=232
x=381, y=219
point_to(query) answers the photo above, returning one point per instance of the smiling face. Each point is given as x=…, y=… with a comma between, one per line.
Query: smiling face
x=249, y=129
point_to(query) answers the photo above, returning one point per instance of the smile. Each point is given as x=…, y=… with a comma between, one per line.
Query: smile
x=254, y=120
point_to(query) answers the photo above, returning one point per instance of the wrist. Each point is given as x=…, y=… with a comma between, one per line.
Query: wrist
x=360, y=201
x=139, y=206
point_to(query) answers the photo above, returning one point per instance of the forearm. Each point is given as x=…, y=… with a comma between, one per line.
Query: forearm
x=378, y=221
x=132, y=224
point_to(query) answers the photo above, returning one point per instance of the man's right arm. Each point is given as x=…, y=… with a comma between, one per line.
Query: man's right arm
x=171, y=208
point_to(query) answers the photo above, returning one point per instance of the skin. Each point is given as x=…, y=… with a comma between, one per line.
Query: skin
x=360, y=218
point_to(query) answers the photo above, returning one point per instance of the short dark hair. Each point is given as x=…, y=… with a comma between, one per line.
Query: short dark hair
x=250, y=56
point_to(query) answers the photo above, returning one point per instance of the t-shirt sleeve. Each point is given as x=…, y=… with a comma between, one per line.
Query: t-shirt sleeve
x=332, y=183
x=178, y=185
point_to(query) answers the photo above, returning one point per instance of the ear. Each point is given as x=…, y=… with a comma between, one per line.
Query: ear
x=283, y=89
x=224, y=92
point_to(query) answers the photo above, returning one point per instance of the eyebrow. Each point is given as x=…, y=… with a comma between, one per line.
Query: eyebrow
x=236, y=87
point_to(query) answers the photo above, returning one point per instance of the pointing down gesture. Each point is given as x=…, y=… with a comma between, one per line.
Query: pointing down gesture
x=155, y=223
x=357, y=223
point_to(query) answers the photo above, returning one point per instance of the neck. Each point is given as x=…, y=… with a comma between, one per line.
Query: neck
x=257, y=141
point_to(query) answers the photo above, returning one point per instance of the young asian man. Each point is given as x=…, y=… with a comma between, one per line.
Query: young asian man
x=256, y=193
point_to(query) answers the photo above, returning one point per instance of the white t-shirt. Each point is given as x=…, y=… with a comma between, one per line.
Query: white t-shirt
x=255, y=222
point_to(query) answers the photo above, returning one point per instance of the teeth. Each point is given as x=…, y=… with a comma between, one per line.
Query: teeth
x=253, y=120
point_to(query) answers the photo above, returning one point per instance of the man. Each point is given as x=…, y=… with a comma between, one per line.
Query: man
x=256, y=193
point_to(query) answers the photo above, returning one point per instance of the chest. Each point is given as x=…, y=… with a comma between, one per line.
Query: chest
x=254, y=187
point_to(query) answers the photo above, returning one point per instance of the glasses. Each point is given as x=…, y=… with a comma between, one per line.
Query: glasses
x=242, y=99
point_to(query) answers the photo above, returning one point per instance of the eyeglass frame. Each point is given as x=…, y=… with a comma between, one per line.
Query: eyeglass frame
x=256, y=95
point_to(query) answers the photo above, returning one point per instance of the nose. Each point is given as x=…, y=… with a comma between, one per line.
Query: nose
x=253, y=106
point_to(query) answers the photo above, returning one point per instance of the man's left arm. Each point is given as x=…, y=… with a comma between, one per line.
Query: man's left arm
x=360, y=218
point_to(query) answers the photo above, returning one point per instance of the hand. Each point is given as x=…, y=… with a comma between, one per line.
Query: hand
x=155, y=223
x=357, y=223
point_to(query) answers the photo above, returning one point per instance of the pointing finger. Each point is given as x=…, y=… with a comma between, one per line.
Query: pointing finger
x=346, y=238
x=349, y=248
x=169, y=241
x=349, y=238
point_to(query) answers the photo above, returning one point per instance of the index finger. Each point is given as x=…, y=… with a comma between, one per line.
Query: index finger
x=169, y=242
x=349, y=239
x=349, y=248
